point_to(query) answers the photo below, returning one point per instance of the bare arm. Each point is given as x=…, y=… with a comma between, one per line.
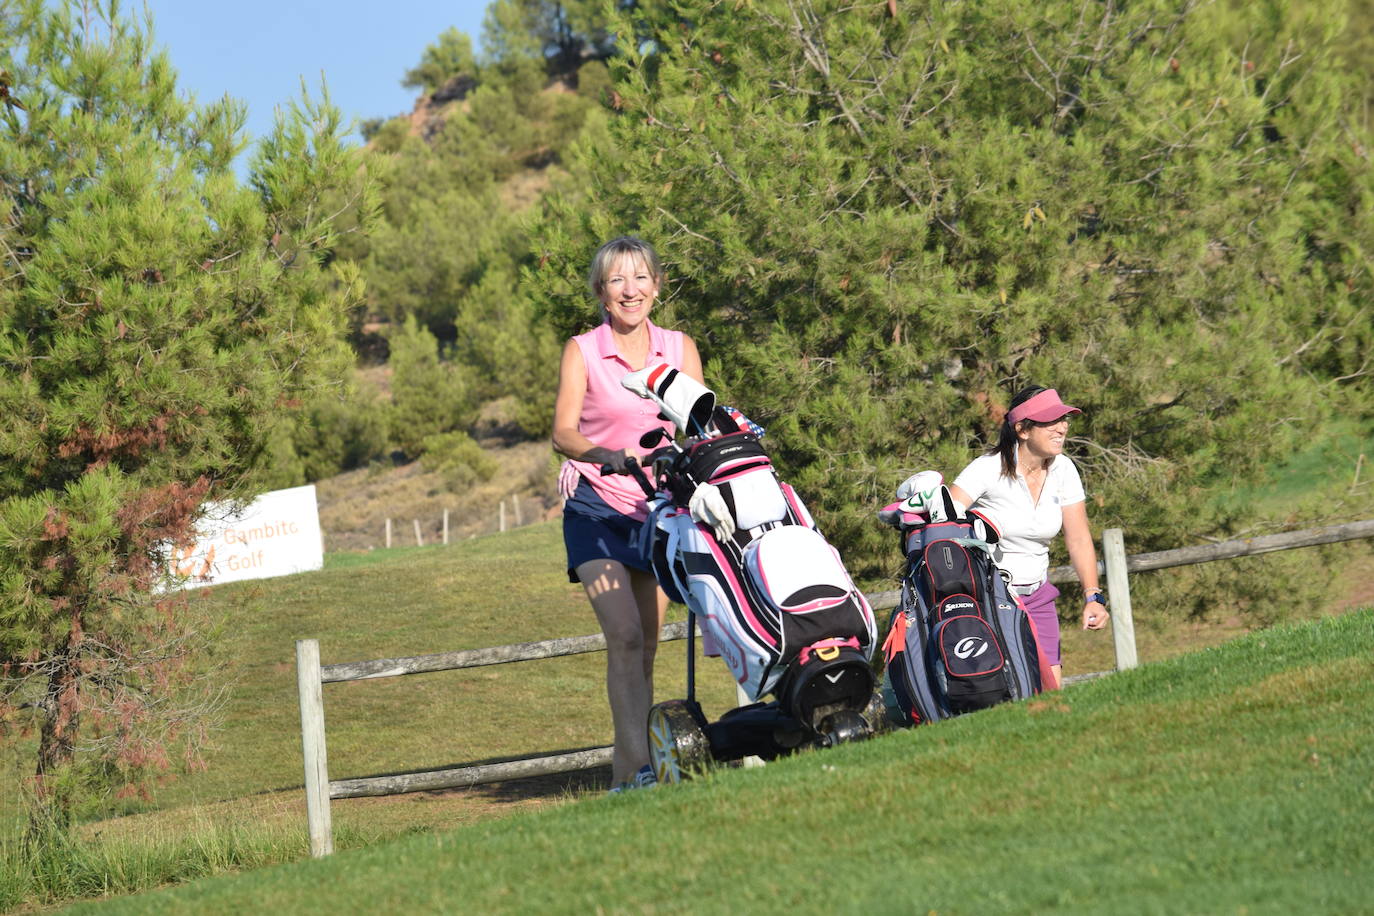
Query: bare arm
x=691, y=359
x=567, y=412
x=960, y=496
x=1078, y=539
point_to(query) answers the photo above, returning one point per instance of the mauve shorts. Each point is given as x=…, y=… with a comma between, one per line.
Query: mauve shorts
x=1045, y=618
x=592, y=530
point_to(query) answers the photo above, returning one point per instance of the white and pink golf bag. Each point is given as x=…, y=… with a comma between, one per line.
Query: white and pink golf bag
x=737, y=546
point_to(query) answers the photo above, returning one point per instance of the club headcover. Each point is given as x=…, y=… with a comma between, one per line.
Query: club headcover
x=681, y=399
x=943, y=507
x=983, y=528
x=730, y=418
x=919, y=492
x=920, y=485
x=901, y=518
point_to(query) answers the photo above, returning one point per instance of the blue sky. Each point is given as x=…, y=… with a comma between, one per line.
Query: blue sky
x=258, y=50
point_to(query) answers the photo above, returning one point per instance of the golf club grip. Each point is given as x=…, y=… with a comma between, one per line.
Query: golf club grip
x=634, y=470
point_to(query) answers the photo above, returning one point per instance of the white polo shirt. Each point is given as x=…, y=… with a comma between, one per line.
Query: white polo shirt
x=1027, y=527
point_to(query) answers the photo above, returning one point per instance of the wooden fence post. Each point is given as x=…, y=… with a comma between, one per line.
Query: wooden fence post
x=445, y=525
x=515, y=504
x=1119, y=593
x=419, y=538
x=501, y=514
x=308, y=684
x=388, y=534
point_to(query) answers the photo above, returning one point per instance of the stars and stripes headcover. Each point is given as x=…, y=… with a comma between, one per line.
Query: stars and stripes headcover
x=744, y=422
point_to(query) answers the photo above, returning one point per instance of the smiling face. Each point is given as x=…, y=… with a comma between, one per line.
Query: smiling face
x=1043, y=440
x=628, y=292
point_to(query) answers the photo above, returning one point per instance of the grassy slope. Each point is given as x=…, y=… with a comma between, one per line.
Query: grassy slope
x=412, y=601
x=355, y=505
x=247, y=810
x=1236, y=778
x=483, y=592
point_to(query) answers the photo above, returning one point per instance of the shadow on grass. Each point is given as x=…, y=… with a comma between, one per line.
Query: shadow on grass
x=548, y=787
x=527, y=788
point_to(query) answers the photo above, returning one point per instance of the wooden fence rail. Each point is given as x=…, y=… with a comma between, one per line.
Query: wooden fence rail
x=319, y=789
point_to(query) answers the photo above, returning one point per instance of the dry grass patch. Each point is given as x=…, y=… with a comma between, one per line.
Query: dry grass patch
x=354, y=506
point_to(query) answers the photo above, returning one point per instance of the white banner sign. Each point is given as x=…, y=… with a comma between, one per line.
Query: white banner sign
x=276, y=534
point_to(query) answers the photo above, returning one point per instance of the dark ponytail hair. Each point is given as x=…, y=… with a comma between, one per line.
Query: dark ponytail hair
x=1006, y=433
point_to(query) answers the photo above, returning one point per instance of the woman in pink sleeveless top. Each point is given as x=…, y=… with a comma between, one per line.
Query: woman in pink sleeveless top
x=598, y=422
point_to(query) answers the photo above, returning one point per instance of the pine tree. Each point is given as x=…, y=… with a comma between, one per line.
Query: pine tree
x=451, y=241
x=156, y=318
x=429, y=396
x=451, y=55
x=562, y=33
x=881, y=220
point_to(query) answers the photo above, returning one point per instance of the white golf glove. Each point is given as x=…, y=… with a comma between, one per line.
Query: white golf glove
x=708, y=507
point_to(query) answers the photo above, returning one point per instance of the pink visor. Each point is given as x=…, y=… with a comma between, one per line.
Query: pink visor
x=1044, y=407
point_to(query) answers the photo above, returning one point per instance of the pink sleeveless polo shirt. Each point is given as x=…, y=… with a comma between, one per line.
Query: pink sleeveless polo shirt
x=614, y=417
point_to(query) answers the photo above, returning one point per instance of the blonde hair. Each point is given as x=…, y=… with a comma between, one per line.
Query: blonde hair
x=606, y=256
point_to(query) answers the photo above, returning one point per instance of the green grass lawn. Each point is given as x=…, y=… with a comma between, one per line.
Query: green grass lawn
x=1335, y=462
x=485, y=592
x=247, y=809
x=1236, y=779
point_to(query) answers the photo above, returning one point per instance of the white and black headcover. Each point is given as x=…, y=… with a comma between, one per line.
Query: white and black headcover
x=681, y=399
x=944, y=507
x=918, y=490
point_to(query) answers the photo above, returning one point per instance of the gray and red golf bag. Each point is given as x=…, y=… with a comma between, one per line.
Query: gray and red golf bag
x=960, y=640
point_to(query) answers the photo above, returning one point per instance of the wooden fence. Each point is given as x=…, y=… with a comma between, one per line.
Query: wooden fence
x=516, y=517
x=311, y=675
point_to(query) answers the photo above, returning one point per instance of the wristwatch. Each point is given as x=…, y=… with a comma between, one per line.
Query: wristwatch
x=1096, y=596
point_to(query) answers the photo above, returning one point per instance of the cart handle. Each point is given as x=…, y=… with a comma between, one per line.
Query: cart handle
x=634, y=470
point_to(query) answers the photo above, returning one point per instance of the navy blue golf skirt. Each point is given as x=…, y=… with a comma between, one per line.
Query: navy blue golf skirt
x=592, y=530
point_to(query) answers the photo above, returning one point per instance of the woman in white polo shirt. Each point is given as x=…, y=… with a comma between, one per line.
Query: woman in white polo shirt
x=1031, y=489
